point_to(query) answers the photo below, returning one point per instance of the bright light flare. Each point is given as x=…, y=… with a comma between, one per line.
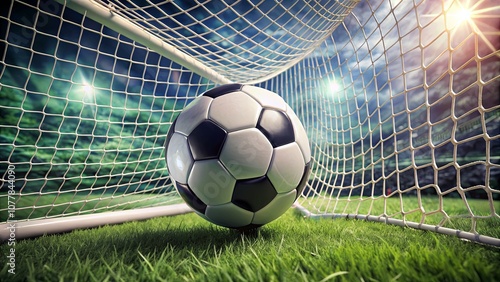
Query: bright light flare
x=88, y=90
x=460, y=16
x=89, y=98
x=334, y=86
x=457, y=15
x=466, y=14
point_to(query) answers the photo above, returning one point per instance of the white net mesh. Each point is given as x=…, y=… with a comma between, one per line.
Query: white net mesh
x=402, y=105
x=400, y=100
x=84, y=114
x=242, y=40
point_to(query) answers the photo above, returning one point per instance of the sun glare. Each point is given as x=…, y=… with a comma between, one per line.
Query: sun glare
x=456, y=15
x=465, y=16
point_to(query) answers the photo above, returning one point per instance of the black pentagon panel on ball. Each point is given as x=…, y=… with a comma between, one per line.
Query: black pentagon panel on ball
x=303, y=180
x=253, y=194
x=223, y=89
x=190, y=198
x=277, y=127
x=206, y=140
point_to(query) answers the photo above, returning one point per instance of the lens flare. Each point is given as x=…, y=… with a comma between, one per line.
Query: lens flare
x=88, y=90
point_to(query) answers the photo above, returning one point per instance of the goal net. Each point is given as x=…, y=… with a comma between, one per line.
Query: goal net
x=400, y=100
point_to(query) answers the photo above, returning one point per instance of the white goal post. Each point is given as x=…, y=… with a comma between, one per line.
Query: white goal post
x=400, y=100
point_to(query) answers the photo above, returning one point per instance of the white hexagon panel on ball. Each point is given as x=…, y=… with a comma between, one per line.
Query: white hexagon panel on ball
x=180, y=160
x=211, y=182
x=235, y=111
x=246, y=153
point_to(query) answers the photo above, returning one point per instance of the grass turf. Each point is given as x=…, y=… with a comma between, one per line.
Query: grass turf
x=187, y=248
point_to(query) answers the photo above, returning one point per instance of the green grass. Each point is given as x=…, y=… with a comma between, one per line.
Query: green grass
x=187, y=248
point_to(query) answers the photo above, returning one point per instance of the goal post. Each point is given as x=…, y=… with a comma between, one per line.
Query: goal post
x=47, y=226
x=400, y=100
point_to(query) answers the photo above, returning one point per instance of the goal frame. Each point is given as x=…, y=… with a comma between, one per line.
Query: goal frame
x=49, y=226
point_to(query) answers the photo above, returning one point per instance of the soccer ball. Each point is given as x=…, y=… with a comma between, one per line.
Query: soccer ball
x=238, y=155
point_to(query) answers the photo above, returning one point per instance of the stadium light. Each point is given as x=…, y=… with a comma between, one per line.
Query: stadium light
x=88, y=90
x=334, y=86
